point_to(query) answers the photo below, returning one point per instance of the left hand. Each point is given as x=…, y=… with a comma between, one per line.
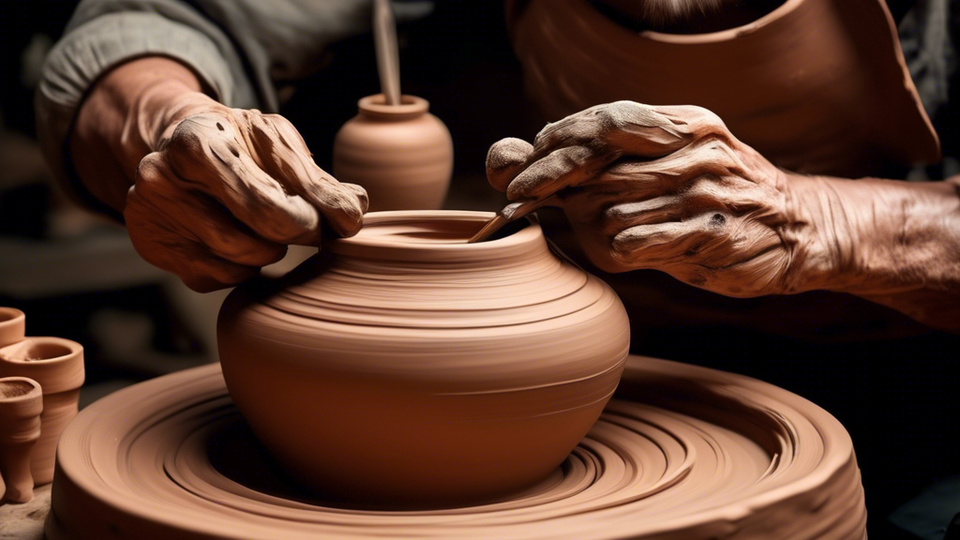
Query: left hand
x=671, y=188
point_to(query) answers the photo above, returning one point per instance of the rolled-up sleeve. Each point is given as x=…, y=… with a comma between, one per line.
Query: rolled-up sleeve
x=238, y=48
x=102, y=35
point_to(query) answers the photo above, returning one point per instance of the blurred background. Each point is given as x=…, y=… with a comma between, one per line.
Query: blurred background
x=76, y=275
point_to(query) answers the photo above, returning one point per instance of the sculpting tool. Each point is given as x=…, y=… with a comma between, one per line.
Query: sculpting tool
x=511, y=212
x=388, y=57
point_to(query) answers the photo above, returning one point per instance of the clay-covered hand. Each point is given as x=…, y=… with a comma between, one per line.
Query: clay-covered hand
x=668, y=188
x=226, y=190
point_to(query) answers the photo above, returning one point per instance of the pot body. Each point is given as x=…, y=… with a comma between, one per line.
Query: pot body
x=408, y=367
x=402, y=155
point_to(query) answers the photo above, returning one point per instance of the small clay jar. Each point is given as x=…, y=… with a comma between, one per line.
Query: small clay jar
x=404, y=366
x=57, y=365
x=401, y=154
x=21, y=402
x=12, y=326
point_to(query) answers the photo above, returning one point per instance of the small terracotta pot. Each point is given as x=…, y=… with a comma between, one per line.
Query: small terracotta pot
x=405, y=366
x=12, y=325
x=21, y=402
x=816, y=86
x=57, y=365
x=401, y=154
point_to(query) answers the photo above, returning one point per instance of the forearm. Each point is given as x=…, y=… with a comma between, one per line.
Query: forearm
x=123, y=118
x=892, y=242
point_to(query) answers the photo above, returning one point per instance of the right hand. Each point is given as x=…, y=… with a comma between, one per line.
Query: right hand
x=227, y=190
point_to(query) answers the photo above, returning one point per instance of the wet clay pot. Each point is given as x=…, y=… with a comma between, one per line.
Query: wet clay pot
x=405, y=367
x=817, y=86
x=20, y=404
x=401, y=154
x=57, y=365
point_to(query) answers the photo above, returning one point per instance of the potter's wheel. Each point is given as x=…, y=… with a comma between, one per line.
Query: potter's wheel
x=685, y=452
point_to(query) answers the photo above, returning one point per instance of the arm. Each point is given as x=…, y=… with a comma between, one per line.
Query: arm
x=131, y=121
x=670, y=188
x=892, y=242
x=117, y=125
x=207, y=192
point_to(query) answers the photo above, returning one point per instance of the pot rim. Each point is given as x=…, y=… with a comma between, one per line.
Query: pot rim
x=34, y=392
x=396, y=243
x=12, y=315
x=376, y=106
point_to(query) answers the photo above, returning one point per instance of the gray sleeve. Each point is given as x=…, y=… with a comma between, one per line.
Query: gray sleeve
x=102, y=35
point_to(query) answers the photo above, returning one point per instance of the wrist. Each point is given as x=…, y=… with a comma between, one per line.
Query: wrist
x=123, y=118
x=818, y=231
x=875, y=237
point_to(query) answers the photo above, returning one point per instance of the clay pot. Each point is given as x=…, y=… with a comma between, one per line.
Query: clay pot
x=401, y=154
x=57, y=365
x=817, y=86
x=20, y=404
x=404, y=366
x=12, y=325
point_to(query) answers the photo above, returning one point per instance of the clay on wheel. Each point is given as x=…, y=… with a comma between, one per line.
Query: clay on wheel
x=405, y=367
x=682, y=453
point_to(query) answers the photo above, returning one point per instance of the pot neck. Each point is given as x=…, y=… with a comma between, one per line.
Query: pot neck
x=426, y=242
x=375, y=107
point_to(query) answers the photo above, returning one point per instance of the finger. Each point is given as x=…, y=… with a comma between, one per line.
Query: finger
x=160, y=241
x=581, y=165
x=620, y=217
x=708, y=193
x=622, y=127
x=562, y=168
x=205, y=156
x=505, y=159
x=198, y=217
x=713, y=240
x=285, y=156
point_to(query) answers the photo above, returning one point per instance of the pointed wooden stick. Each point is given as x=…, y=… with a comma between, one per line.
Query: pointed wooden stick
x=388, y=57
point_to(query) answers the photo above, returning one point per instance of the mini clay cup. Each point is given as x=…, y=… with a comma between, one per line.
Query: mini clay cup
x=405, y=367
x=12, y=324
x=21, y=402
x=401, y=154
x=57, y=365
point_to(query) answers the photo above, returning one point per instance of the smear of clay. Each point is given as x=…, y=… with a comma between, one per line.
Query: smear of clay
x=683, y=453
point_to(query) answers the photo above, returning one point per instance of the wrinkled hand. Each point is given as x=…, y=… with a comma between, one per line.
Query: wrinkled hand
x=667, y=188
x=227, y=190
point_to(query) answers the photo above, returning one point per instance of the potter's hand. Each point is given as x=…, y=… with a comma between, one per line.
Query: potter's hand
x=666, y=188
x=670, y=188
x=212, y=193
x=227, y=192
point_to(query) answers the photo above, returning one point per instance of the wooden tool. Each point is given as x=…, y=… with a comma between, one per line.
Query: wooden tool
x=388, y=57
x=511, y=212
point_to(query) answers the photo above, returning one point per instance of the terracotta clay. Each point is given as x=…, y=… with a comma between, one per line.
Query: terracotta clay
x=683, y=453
x=12, y=326
x=394, y=366
x=816, y=86
x=20, y=404
x=401, y=154
x=57, y=365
